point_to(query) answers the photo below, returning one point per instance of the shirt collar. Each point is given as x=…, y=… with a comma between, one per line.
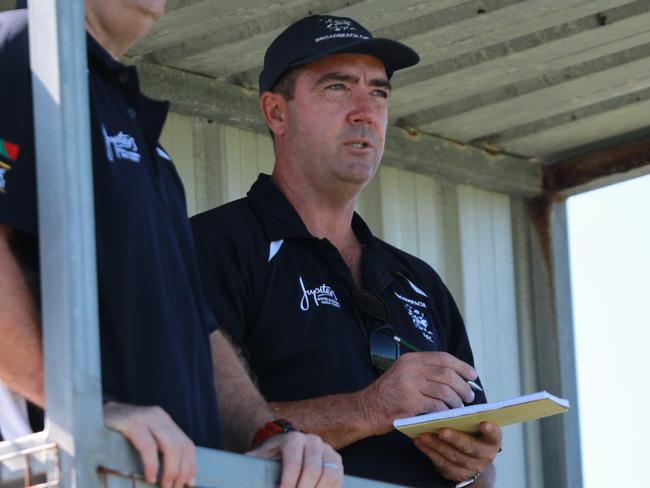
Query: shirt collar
x=278, y=217
x=152, y=112
x=281, y=221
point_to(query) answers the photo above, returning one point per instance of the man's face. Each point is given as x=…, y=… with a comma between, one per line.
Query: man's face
x=337, y=118
x=120, y=18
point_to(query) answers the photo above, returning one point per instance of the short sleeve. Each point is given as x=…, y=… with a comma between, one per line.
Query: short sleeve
x=17, y=165
x=223, y=278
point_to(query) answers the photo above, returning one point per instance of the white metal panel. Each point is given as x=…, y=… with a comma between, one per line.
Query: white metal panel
x=247, y=155
x=177, y=140
x=411, y=214
x=491, y=310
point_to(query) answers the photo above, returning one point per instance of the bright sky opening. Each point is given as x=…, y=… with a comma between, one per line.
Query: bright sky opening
x=610, y=265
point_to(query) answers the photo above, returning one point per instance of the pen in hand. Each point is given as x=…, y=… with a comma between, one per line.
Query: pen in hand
x=398, y=340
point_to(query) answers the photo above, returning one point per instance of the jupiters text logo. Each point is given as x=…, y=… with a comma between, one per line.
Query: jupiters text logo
x=322, y=295
x=120, y=146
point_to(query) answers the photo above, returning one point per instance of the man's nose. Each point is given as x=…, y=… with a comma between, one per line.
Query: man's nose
x=362, y=111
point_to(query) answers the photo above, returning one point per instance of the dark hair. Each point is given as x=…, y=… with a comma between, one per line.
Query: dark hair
x=285, y=86
x=287, y=83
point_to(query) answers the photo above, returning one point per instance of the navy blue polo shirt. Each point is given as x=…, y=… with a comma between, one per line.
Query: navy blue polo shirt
x=154, y=321
x=284, y=296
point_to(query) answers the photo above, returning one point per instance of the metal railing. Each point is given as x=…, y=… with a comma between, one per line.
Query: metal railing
x=33, y=462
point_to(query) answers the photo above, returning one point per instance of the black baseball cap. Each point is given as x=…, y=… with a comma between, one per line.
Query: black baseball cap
x=317, y=36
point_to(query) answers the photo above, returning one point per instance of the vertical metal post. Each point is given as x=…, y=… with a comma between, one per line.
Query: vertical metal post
x=67, y=236
x=556, y=364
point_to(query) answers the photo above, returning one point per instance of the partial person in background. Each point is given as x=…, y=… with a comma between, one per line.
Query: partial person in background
x=313, y=298
x=159, y=340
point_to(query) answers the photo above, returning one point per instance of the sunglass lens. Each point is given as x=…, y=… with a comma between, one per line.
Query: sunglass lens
x=371, y=305
x=383, y=350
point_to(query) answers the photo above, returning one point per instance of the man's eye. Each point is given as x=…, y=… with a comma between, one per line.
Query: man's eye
x=336, y=87
x=381, y=93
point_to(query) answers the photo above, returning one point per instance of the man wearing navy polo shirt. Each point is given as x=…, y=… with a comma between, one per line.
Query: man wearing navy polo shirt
x=311, y=296
x=158, y=337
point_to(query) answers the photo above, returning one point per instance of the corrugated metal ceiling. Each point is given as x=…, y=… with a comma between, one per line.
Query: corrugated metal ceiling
x=542, y=79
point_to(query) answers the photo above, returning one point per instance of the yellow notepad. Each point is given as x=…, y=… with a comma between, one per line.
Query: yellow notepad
x=468, y=419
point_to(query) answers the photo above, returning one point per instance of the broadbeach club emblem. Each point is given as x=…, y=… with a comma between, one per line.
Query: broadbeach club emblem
x=322, y=295
x=415, y=310
x=338, y=25
x=340, y=28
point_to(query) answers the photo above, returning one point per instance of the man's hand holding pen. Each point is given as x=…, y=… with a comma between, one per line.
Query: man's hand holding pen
x=424, y=381
x=415, y=383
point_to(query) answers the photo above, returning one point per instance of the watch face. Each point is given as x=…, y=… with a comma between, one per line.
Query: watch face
x=285, y=425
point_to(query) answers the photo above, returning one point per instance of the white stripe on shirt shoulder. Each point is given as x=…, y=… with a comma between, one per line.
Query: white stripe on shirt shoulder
x=163, y=154
x=416, y=289
x=274, y=247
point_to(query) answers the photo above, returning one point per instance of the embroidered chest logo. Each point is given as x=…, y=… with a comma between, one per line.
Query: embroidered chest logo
x=415, y=310
x=120, y=146
x=8, y=152
x=322, y=295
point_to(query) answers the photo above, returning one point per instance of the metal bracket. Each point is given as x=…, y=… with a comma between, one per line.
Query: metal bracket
x=31, y=467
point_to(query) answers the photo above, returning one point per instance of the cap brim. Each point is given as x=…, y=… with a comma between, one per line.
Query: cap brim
x=393, y=54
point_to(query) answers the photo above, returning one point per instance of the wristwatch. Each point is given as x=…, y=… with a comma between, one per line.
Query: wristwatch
x=275, y=427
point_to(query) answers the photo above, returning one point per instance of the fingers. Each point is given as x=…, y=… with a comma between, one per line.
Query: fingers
x=446, y=394
x=177, y=451
x=331, y=476
x=449, y=361
x=459, y=456
x=312, y=466
x=151, y=430
x=307, y=461
x=304, y=459
x=491, y=434
x=438, y=376
x=292, y=459
x=444, y=466
x=145, y=444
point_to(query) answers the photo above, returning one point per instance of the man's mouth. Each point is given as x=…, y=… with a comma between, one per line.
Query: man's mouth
x=359, y=144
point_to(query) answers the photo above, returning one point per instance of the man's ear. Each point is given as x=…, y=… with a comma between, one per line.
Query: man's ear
x=274, y=109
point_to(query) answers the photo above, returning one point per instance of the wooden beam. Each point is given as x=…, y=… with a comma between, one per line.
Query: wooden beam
x=598, y=169
x=201, y=96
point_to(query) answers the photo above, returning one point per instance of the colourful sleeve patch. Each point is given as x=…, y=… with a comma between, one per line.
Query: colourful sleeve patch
x=9, y=150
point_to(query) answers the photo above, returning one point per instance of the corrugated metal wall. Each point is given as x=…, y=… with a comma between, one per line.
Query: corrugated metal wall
x=465, y=233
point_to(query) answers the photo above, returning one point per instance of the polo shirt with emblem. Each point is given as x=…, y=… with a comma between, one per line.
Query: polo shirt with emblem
x=154, y=322
x=284, y=297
